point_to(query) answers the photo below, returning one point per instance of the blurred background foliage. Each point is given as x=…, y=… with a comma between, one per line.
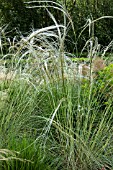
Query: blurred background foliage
x=22, y=20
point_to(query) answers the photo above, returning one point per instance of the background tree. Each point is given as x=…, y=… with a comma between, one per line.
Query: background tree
x=15, y=13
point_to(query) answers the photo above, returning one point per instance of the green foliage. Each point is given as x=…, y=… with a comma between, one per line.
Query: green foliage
x=62, y=126
x=104, y=81
x=19, y=16
x=81, y=59
x=76, y=134
x=30, y=154
x=106, y=74
x=103, y=87
x=18, y=130
x=85, y=11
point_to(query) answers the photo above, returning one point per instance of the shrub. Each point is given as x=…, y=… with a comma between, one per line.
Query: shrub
x=104, y=83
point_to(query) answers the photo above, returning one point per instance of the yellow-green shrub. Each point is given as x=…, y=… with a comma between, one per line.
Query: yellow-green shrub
x=104, y=83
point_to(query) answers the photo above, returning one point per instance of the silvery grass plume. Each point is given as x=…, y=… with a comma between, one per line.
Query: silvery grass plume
x=41, y=55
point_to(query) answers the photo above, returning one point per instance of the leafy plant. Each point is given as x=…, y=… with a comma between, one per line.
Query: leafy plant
x=104, y=83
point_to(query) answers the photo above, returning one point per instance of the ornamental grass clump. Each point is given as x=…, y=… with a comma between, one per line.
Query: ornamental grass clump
x=51, y=112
